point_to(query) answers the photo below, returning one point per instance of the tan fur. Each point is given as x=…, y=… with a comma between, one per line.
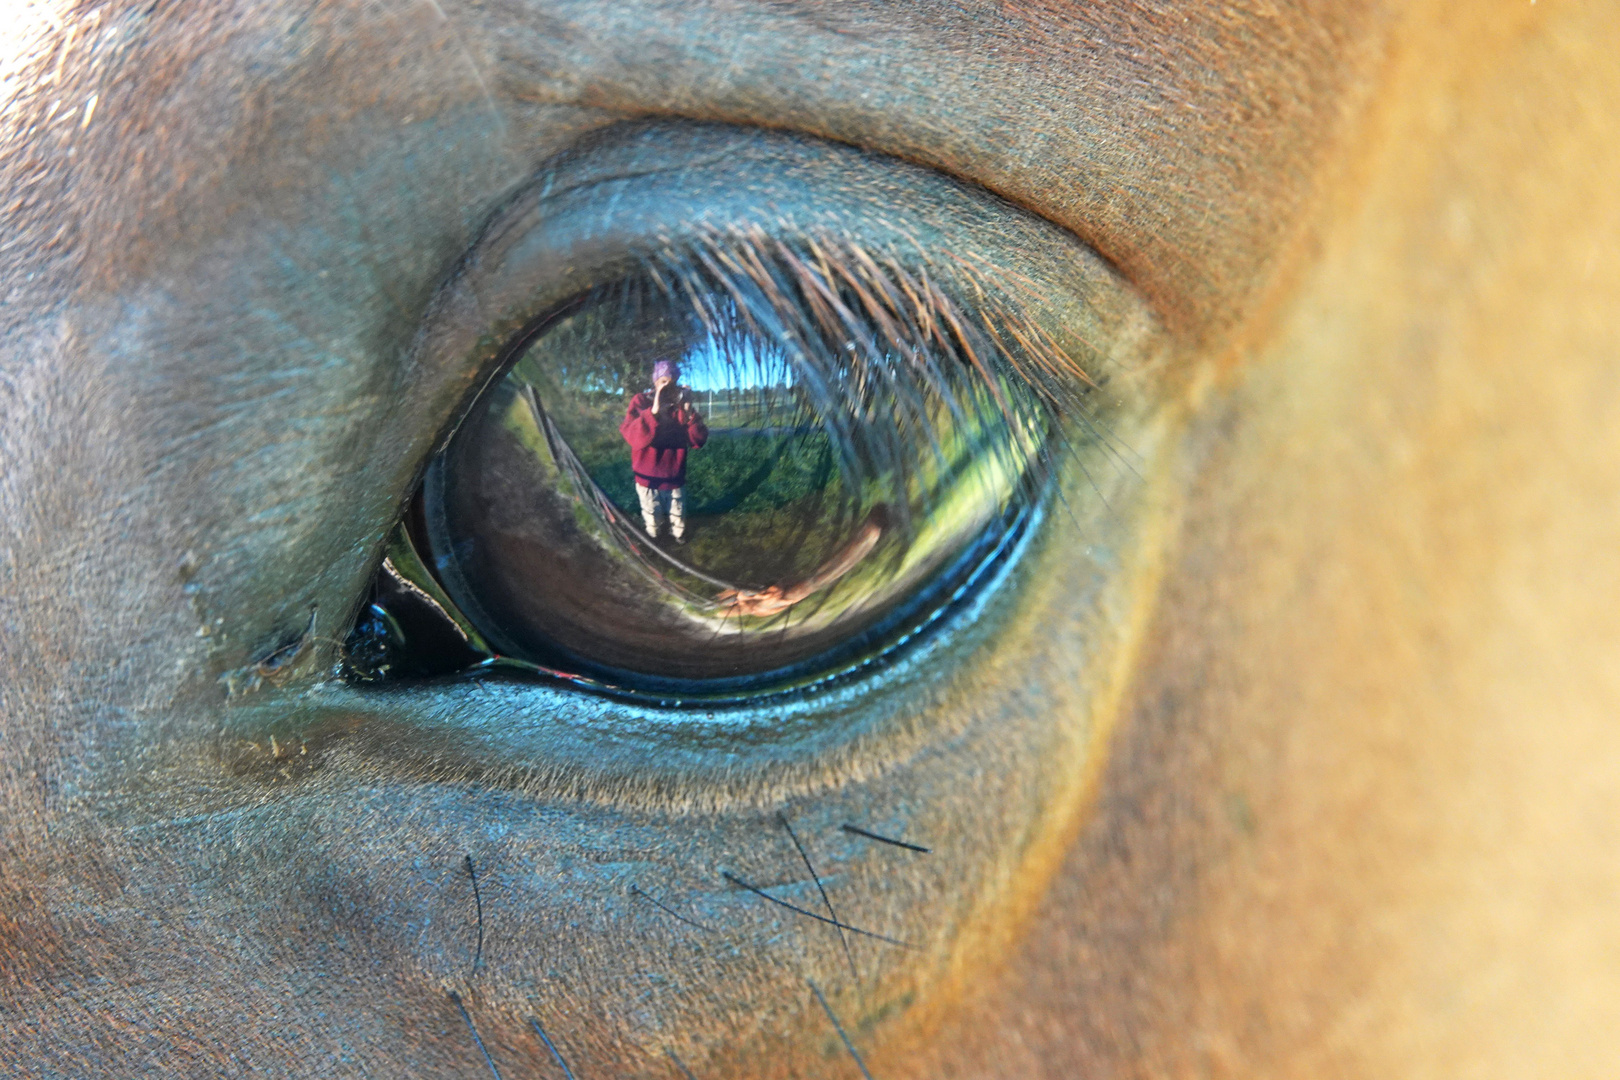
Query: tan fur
x=1355, y=816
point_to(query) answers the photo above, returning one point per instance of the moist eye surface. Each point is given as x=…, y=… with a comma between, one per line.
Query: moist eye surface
x=690, y=476
x=877, y=400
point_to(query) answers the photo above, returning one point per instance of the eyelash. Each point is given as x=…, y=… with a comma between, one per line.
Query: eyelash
x=816, y=294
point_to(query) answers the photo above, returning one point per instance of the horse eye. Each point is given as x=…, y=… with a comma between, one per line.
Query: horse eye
x=733, y=469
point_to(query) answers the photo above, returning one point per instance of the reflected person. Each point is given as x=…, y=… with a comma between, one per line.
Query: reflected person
x=661, y=425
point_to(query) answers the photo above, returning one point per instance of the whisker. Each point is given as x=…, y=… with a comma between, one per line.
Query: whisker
x=455, y=997
x=842, y=937
x=762, y=894
x=840, y=1029
x=679, y=1064
x=540, y=1031
x=667, y=910
x=858, y=831
x=478, y=899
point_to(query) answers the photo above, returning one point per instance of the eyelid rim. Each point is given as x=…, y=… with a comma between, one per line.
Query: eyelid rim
x=595, y=214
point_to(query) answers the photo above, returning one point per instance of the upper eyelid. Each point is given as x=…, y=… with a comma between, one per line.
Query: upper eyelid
x=770, y=180
x=1104, y=137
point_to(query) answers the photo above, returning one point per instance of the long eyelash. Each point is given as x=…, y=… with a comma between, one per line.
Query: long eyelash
x=835, y=288
x=922, y=341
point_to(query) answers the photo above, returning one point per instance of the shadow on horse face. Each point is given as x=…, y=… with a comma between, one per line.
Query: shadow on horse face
x=1274, y=740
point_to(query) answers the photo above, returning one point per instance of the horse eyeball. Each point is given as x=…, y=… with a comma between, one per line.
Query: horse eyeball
x=703, y=489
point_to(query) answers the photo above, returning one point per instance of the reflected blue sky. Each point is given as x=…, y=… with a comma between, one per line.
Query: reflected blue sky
x=734, y=362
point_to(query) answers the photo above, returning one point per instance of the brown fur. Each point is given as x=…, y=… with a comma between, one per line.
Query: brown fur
x=1357, y=818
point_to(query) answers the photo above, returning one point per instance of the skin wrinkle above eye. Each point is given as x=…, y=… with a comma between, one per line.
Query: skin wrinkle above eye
x=1181, y=236
x=1089, y=168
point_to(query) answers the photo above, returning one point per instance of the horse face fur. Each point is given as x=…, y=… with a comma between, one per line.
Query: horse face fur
x=1354, y=813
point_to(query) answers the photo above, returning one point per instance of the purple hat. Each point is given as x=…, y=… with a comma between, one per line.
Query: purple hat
x=666, y=369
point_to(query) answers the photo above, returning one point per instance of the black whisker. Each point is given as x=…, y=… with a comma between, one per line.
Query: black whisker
x=840, y=1029
x=843, y=938
x=667, y=910
x=762, y=894
x=478, y=899
x=858, y=831
x=455, y=997
x=679, y=1064
x=540, y=1031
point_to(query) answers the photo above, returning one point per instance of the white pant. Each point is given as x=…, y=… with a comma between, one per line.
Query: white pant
x=660, y=504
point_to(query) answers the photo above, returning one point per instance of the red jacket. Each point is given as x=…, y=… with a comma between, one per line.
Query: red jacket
x=658, y=444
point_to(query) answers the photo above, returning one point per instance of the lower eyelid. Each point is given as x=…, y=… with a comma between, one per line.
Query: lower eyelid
x=551, y=741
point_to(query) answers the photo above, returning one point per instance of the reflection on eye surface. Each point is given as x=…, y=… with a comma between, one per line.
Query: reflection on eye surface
x=873, y=395
x=755, y=460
